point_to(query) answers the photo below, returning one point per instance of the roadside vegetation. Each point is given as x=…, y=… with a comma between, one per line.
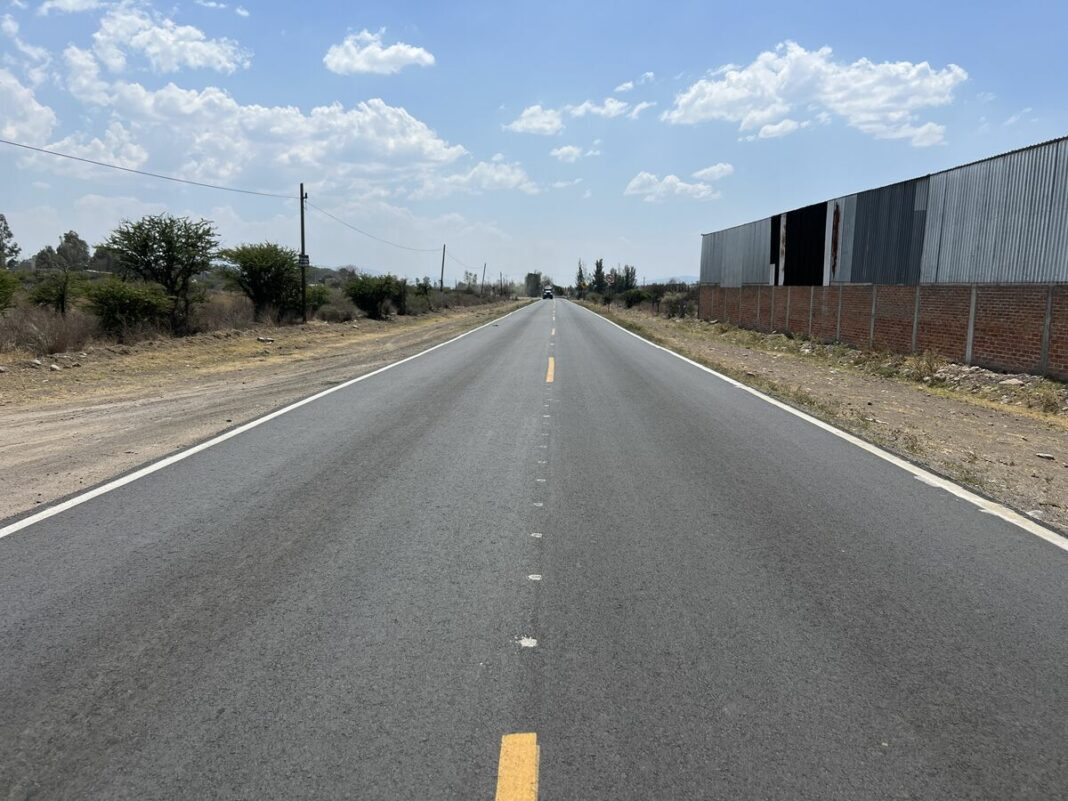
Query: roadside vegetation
x=166, y=276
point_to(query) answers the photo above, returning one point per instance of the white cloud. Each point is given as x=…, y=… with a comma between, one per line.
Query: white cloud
x=83, y=77
x=537, y=120
x=37, y=60
x=566, y=184
x=715, y=172
x=241, y=11
x=23, y=118
x=68, y=6
x=882, y=100
x=611, y=107
x=1015, y=118
x=644, y=78
x=653, y=189
x=985, y=97
x=485, y=176
x=116, y=147
x=167, y=45
x=569, y=154
x=363, y=53
x=639, y=108
x=777, y=129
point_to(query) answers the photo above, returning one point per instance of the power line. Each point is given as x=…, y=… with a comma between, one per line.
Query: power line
x=204, y=185
x=143, y=172
x=370, y=235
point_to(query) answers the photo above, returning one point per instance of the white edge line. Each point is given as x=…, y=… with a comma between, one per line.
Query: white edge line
x=927, y=477
x=167, y=461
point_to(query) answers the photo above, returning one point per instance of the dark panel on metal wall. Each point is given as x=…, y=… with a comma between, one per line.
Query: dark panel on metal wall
x=774, y=255
x=888, y=234
x=806, y=233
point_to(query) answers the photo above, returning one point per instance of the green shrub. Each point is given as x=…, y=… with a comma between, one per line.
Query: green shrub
x=632, y=297
x=378, y=295
x=58, y=290
x=675, y=304
x=123, y=307
x=268, y=274
x=317, y=295
x=9, y=285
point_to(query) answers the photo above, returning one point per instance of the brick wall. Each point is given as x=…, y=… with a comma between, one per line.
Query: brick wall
x=1058, y=333
x=1009, y=321
x=894, y=308
x=943, y=324
x=855, y=323
x=1008, y=330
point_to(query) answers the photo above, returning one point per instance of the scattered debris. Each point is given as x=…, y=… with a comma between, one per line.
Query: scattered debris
x=54, y=367
x=265, y=339
x=1049, y=456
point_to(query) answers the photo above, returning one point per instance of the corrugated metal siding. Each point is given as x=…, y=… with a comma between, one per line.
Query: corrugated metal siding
x=888, y=234
x=999, y=221
x=708, y=274
x=737, y=255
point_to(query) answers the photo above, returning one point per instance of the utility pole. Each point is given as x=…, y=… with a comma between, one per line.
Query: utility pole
x=502, y=284
x=441, y=283
x=482, y=291
x=303, y=261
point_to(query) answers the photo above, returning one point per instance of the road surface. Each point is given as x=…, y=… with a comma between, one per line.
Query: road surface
x=671, y=588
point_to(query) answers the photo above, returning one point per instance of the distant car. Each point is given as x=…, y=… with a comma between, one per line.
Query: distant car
x=547, y=294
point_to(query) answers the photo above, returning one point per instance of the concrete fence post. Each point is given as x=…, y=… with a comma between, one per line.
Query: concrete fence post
x=971, y=328
x=811, y=299
x=916, y=318
x=1043, y=364
x=838, y=325
x=871, y=322
x=771, y=313
x=758, y=306
x=786, y=322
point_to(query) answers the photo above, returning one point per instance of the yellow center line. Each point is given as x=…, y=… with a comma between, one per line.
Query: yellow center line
x=551, y=370
x=517, y=770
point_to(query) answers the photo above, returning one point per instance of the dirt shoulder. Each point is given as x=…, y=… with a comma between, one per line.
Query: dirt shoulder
x=110, y=408
x=1005, y=437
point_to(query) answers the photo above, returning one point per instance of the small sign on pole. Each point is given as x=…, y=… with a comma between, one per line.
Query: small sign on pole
x=304, y=260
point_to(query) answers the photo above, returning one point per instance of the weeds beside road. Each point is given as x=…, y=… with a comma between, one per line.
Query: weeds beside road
x=110, y=408
x=1003, y=436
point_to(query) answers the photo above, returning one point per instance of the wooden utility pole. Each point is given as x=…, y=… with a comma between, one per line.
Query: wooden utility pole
x=303, y=261
x=441, y=283
x=482, y=290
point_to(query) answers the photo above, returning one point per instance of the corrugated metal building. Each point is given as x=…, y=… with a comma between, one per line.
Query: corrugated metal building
x=999, y=220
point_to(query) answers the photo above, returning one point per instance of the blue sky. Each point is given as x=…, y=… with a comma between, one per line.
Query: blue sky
x=523, y=135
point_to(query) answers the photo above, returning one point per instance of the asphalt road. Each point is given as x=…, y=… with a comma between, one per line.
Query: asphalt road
x=731, y=603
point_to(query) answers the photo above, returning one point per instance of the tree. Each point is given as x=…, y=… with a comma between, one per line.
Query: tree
x=103, y=260
x=533, y=285
x=580, y=280
x=373, y=294
x=423, y=288
x=122, y=306
x=628, y=279
x=169, y=251
x=9, y=285
x=599, y=284
x=268, y=274
x=46, y=259
x=9, y=249
x=58, y=289
x=73, y=251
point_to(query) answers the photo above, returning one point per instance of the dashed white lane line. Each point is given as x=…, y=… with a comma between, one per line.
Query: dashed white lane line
x=122, y=481
x=534, y=577
x=541, y=480
x=538, y=503
x=985, y=505
x=528, y=642
x=536, y=535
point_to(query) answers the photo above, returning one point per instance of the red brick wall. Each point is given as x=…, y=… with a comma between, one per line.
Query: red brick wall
x=825, y=313
x=1058, y=334
x=856, y=314
x=1008, y=327
x=1007, y=335
x=894, y=309
x=778, y=322
x=748, y=316
x=705, y=298
x=798, y=322
x=944, y=320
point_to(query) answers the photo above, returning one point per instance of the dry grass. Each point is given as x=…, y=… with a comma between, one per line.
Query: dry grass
x=42, y=332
